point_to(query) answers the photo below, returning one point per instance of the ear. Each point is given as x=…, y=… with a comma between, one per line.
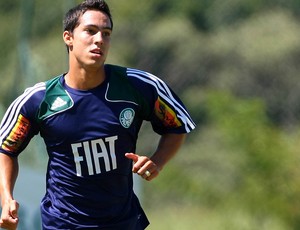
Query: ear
x=68, y=38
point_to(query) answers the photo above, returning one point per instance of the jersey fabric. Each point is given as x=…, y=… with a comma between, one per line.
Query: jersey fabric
x=87, y=133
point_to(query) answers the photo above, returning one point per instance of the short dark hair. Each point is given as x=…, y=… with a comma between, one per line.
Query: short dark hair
x=71, y=18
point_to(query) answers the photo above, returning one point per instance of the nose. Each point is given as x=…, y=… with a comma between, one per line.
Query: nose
x=99, y=38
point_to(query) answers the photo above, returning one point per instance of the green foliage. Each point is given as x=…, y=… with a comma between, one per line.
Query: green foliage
x=258, y=58
x=8, y=7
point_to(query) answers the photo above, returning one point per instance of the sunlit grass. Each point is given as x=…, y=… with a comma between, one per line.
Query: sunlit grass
x=194, y=218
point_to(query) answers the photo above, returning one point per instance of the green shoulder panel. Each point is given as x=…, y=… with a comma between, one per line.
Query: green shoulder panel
x=121, y=89
x=56, y=100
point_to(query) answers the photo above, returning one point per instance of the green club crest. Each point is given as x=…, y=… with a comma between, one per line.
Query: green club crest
x=126, y=117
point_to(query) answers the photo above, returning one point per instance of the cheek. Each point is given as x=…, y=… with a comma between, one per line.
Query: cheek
x=107, y=40
x=107, y=44
x=82, y=40
x=80, y=46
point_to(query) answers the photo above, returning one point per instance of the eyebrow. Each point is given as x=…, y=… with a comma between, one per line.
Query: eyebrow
x=99, y=27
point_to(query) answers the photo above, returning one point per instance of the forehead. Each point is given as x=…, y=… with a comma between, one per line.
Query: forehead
x=94, y=17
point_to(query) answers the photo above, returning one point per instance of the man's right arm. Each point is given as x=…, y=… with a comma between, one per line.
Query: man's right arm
x=9, y=169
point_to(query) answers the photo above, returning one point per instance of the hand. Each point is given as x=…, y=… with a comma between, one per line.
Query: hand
x=9, y=216
x=142, y=164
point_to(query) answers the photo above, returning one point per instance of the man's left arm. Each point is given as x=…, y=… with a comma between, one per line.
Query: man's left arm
x=168, y=146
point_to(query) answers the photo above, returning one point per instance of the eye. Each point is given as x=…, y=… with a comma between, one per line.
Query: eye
x=91, y=31
x=106, y=33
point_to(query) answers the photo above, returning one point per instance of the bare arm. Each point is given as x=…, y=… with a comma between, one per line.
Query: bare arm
x=9, y=169
x=168, y=146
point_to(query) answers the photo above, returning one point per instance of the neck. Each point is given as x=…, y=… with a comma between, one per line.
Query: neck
x=84, y=80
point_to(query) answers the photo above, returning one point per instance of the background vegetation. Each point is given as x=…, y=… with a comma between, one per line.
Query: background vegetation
x=236, y=66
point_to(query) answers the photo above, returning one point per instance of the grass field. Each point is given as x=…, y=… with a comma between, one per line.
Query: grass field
x=193, y=218
x=165, y=218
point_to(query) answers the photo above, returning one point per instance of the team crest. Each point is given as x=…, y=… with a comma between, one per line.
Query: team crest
x=126, y=117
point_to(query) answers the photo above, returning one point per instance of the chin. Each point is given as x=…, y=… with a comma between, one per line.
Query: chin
x=94, y=65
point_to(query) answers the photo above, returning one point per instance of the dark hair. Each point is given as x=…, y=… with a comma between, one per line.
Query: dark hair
x=71, y=18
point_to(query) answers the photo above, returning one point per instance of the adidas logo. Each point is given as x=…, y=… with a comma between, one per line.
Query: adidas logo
x=58, y=103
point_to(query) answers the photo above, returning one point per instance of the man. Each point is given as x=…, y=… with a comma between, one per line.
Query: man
x=89, y=119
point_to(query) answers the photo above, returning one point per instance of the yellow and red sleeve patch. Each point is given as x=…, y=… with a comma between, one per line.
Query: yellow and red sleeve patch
x=166, y=114
x=17, y=135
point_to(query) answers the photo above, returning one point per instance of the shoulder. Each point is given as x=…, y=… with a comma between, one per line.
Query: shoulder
x=26, y=104
x=38, y=87
x=32, y=95
x=32, y=98
x=143, y=81
x=144, y=77
x=133, y=74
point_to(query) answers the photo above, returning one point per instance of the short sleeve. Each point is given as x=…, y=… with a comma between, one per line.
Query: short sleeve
x=169, y=115
x=18, y=124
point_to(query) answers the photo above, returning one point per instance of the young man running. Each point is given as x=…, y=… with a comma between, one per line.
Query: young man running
x=89, y=119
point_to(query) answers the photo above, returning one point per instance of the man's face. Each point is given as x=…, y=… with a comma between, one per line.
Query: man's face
x=89, y=43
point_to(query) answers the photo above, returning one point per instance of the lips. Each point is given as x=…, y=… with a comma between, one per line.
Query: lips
x=97, y=51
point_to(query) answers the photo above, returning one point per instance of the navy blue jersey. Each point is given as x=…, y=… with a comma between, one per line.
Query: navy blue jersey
x=87, y=133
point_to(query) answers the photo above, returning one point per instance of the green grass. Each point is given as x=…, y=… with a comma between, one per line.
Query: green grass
x=194, y=218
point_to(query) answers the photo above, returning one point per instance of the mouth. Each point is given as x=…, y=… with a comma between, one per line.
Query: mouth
x=97, y=52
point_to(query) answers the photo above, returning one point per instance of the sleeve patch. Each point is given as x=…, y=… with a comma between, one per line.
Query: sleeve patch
x=166, y=114
x=17, y=135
